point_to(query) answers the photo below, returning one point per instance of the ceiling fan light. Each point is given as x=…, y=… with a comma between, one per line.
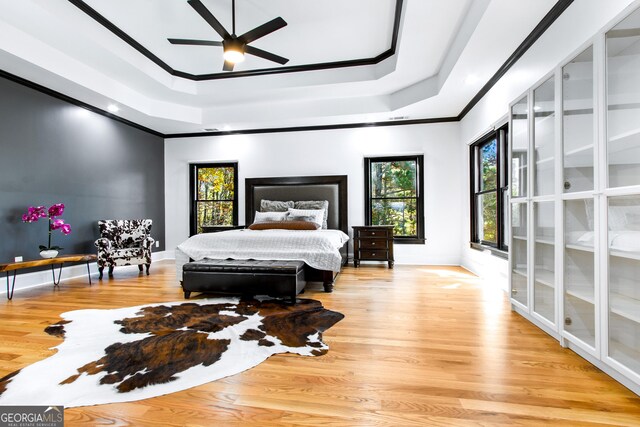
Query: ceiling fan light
x=234, y=56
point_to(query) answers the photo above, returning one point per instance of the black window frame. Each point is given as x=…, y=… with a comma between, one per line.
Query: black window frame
x=419, y=159
x=193, y=200
x=501, y=136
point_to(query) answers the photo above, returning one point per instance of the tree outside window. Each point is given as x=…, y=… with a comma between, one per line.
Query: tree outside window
x=393, y=195
x=213, y=195
x=489, y=190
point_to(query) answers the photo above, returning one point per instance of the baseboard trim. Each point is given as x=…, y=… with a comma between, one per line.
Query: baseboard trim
x=44, y=278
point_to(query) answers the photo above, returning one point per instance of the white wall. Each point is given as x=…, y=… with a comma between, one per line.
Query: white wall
x=332, y=152
x=579, y=23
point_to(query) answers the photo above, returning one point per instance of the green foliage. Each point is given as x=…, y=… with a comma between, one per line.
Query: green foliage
x=489, y=215
x=394, y=193
x=215, y=191
x=488, y=202
x=489, y=163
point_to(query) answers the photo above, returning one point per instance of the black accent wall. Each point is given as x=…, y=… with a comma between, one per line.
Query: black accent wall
x=55, y=152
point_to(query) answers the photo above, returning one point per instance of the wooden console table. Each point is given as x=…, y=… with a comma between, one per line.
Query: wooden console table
x=60, y=260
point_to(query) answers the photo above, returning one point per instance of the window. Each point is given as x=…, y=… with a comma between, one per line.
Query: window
x=489, y=204
x=393, y=196
x=214, y=199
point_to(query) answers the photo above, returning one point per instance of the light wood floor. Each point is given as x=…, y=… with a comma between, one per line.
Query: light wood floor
x=419, y=346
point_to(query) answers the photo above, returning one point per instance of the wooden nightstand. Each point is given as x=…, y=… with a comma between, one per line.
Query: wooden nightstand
x=373, y=243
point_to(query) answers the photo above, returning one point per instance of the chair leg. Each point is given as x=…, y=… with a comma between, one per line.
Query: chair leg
x=140, y=266
x=100, y=270
x=111, y=271
x=148, y=266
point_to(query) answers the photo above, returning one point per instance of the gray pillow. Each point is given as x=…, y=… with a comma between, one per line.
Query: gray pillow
x=275, y=206
x=300, y=218
x=315, y=204
x=262, y=217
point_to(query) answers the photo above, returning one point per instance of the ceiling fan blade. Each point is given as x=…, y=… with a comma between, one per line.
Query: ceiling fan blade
x=208, y=16
x=266, y=55
x=263, y=30
x=195, y=42
x=228, y=66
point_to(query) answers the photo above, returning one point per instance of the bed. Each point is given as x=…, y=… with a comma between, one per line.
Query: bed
x=323, y=251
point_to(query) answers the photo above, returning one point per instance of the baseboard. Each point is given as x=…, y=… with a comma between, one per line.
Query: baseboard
x=45, y=278
x=159, y=256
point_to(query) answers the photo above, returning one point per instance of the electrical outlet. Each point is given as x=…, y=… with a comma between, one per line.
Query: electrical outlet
x=17, y=259
x=157, y=243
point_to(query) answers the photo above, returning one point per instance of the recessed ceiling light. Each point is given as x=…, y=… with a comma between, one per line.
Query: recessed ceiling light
x=113, y=108
x=226, y=128
x=537, y=108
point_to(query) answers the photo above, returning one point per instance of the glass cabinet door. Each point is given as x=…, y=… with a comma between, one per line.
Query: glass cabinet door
x=544, y=283
x=519, y=147
x=519, y=252
x=623, y=102
x=624, y=282
x=577, y=119
x=579, y=278
x=544, y=138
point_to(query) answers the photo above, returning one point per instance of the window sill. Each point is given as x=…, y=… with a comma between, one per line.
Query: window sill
x=408, y=241
x=218, y=228
x=494, y=251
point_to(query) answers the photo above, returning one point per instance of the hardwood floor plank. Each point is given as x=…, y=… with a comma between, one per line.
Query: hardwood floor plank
x=419, y=346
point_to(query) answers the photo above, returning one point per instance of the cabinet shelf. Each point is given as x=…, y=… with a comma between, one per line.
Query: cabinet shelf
x=580, y=150
x=624, y=306
x=520, y=272
x=624, y=354
x=583, y=248
x=544, y=277
x=624, y=254
x=584, y=294
x=545, y=160
x=579, y=157
x=545, y=241
x=624, y=141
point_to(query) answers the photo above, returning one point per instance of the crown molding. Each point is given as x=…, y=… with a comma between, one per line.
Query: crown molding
x=555, y=12
x=80, y=4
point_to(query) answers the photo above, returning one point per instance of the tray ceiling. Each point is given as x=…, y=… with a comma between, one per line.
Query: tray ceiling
x=438, y=59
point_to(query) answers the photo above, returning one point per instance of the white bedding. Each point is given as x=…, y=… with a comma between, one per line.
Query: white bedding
x=318, y=249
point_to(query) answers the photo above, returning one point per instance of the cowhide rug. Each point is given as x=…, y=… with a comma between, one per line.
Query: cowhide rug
x=139, y=352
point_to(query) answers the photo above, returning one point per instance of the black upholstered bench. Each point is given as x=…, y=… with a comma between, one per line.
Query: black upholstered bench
x=244, y=277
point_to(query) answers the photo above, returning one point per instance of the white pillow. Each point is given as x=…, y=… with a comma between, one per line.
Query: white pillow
x=316, y=214
x=269, y=217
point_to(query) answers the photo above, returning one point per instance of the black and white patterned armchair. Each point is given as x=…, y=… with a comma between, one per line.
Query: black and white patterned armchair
x=124, y=242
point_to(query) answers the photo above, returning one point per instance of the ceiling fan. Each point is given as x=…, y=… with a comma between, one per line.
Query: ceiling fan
x=234, y=46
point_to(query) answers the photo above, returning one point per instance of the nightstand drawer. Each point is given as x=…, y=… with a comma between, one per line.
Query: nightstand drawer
x=381, y=244
x=373, y=233
x=373, y=254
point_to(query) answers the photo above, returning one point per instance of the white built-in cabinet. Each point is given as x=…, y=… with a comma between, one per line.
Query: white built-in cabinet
x=575, y=201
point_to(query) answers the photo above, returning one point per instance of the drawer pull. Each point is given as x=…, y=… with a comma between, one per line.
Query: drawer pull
x=373, y=233
x=373, y=244
x=373, y=254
